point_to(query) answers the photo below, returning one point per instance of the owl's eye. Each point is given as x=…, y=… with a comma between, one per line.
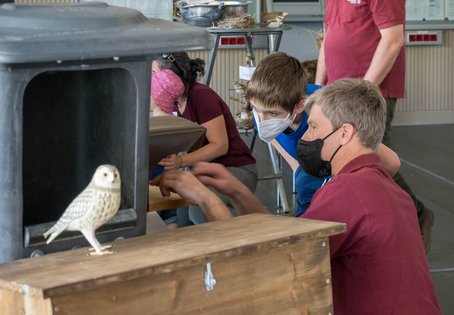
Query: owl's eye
x=104, y=174
x=115, y=175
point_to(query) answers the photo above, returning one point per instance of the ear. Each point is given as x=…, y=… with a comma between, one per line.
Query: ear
x=299, y=108
x=155, y=66
x=347, y=133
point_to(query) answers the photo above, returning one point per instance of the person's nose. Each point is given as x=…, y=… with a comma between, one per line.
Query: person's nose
x=306, y=136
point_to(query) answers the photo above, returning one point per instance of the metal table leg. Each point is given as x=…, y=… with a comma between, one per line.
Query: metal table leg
x=281, y=198
x=250, y=51
x=212, y=59
x=274, y=41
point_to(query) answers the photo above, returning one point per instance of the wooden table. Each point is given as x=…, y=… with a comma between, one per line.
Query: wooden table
x=253, y=264
x=157, y=202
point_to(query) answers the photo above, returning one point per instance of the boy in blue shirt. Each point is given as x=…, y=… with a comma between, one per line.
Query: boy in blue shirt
x=276, y=92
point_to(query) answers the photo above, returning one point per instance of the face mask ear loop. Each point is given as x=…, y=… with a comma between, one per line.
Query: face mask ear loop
x=332, y=157
x=257, y=120
x=254, y=113
x=331, y=133
x=294, y=116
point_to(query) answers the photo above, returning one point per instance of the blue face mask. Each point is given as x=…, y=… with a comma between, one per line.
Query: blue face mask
x=309, y=154
x=270, y=128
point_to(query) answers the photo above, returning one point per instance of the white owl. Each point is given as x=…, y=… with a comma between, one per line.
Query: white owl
x=93, y=207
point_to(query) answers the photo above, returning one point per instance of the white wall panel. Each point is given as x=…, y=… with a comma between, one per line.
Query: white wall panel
x=226, y=71
x=429, y=95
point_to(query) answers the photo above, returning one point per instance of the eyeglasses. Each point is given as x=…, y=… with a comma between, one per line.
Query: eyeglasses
x=172, y=59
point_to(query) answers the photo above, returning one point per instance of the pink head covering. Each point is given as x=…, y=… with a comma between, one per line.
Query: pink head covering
x=166, y=89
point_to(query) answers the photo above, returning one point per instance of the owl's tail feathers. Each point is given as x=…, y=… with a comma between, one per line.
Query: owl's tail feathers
x=53, y=232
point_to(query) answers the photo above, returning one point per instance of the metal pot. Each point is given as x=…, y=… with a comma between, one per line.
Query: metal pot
x=199, y=9
x=202, y=14
x=235, y=8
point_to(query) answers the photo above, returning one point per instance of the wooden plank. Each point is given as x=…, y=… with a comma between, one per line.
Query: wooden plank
x=72, y=271
x=157, y=202
x=284, y=280
x=11, y=302
x=17, y=303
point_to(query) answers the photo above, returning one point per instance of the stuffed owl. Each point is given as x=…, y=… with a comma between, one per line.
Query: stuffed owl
x=93, y=207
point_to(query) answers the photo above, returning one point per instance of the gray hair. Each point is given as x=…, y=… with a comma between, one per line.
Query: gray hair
x=353, y=101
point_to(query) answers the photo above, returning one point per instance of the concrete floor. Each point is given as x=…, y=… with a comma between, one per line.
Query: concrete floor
x=427, y=156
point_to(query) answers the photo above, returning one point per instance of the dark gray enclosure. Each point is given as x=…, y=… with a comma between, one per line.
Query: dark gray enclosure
x=75, y=83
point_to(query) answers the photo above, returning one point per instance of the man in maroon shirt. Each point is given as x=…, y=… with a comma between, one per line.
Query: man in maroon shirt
x=365, y=39
x=378, y=265
x=382, y=252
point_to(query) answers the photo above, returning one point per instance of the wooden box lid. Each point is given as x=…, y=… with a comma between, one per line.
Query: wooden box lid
x=73, y=271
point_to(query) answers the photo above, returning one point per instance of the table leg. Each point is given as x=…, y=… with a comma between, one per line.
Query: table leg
x=249, y=49
x=213, y=54
x=274, y=41
x=281, y=198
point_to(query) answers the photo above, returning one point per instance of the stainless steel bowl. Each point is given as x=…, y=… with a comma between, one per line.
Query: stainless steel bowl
x=199, y=9
x=235, y=8
x=212, y=12
x=202, y=14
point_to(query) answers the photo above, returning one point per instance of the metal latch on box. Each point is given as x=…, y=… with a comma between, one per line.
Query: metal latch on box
x=209, y=279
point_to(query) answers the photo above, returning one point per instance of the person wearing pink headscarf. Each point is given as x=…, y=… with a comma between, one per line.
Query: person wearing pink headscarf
x=201, y=104
x=166, y=90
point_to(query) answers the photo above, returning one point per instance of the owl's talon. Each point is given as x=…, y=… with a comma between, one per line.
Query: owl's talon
x=103, y=247
x=101, y=253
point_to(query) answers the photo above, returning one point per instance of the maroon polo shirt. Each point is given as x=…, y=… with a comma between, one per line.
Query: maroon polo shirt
x=378, y=266
x=352, y=35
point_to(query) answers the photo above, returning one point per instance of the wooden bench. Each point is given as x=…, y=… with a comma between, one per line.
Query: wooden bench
x=254, y=264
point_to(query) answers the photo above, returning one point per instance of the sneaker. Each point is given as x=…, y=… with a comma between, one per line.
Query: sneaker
x=425, y=224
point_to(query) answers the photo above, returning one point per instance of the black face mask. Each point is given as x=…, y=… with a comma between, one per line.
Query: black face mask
x=309, y=155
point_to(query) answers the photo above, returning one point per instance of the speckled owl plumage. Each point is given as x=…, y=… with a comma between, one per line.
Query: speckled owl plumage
x=93, y=207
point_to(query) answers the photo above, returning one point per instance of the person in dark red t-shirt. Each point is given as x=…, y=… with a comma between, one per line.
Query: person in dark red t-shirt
x=366, y=39
x=200, y=104
x=379, y=265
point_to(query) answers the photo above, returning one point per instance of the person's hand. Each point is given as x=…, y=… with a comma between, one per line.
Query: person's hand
x=171, y=162
x=191, y=189
x=216, y=176
x=155, y=180
x=182, y=182
x=219, y=177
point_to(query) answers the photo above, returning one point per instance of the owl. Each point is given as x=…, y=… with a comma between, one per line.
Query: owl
x=93, y=207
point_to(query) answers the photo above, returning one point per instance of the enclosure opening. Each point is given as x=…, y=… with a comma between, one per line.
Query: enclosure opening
x=74, y=121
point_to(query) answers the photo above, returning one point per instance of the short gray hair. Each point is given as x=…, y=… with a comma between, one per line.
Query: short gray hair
x=353, y=101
